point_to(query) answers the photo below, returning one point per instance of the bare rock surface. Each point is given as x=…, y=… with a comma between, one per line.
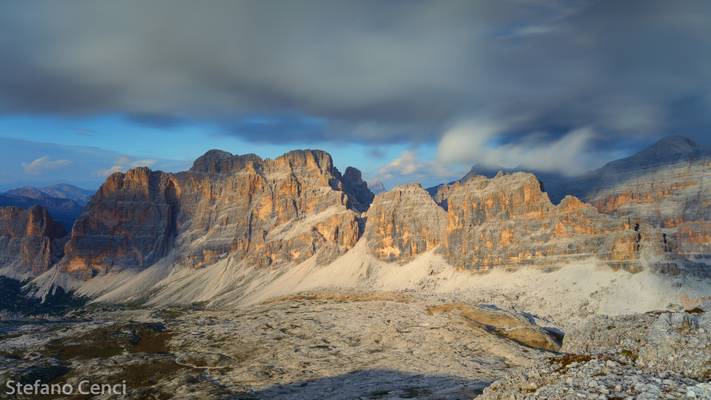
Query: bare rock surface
x=660, y=355
x=360, y=194
x=129, y=222
x=662, y=190
x=232, y=214
x=332, y=345
x=30, y=241
x=265, y=212
x=506, y=324
x=665, y=186
x=403, y=223
x=678, y=342
x=508, y=221
x=593, y=377
x=503, y=222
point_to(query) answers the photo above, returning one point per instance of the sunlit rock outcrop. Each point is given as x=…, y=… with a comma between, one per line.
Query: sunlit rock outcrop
x=667, y=186
x=403, y=223
x=508, y=220
x=504, y=221
x=263, y=212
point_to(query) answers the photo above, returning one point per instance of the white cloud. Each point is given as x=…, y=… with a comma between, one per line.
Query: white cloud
x=124, y=163
x=142, y=163
x=44, y=164
x=473, y=142
x=409, y=167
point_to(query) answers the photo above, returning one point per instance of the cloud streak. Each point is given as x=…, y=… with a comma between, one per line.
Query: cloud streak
x=409, y=167
x=43, y=165
x=123, y=164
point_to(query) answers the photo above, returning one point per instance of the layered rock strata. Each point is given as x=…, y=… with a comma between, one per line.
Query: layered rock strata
x=403, y=223
x=130, y=221
x=30, y=240
x=262, y=212
x=667, y=185
x=509, y=221
x=502, y=222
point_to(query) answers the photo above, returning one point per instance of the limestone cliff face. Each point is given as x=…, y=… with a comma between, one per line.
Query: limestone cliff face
x=280, y=212
x=508, y=221
x=263, y=212
x=403, y=223
x=30, y=241
x=665, y=186
x=130, y=221
x=501, y=222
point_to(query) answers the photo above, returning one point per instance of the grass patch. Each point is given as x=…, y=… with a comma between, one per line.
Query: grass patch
x=568, y=359
x=111, y=341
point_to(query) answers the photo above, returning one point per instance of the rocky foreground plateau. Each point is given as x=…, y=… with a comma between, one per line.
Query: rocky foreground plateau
x=356, y=345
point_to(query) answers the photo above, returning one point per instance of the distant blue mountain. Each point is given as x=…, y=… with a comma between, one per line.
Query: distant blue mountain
x=63, y=201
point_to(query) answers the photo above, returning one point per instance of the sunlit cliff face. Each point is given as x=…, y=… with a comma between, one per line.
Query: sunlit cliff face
x=265, y=212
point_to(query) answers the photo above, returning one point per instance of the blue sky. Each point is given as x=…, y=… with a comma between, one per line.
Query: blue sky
x=82, y=151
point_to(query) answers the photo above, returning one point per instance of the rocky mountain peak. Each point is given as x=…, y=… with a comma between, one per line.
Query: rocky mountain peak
x=670, y=148
x=216, y=162
x=353, y=174
x=40, y=223
x=317, y=159
x=571, y=203
x=210, y=158
x=357, y=188
x=130, y=222
x=261, y=211
x=404, y=222
x=284, y=211
x=505, y=221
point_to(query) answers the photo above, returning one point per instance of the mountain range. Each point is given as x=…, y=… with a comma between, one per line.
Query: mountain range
x=64, y=202
x=237, y=226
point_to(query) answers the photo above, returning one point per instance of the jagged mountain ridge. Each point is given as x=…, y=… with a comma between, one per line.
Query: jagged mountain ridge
x=265, y=212
x=230, y=213
x=667, y=185
x=377, y=187
x=505, y=221
x=666, y=153
x=58, y=191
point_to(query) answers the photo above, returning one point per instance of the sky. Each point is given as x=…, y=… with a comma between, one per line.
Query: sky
x=405, y=90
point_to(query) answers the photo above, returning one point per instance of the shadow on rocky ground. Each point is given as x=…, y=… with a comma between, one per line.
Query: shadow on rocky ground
x=375, y=384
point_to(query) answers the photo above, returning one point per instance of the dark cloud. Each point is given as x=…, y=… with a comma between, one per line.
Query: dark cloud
x=368, y=71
